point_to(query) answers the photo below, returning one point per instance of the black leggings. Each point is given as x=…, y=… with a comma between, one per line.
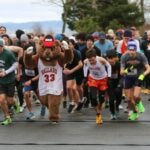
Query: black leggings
x=115, y=97
x=94, y=92
x=19, y=91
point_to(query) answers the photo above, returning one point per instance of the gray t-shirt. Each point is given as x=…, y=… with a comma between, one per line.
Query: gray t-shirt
x=136, y=64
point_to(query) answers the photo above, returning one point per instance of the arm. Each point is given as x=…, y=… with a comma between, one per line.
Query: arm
x=77, y=67
x=108, y=66
x=12, y=68
x=9, y=70
x=65, y=56
x=16, y=49
x=27, y=83
x=85, y=68
x=147, y=71
x=29, y=59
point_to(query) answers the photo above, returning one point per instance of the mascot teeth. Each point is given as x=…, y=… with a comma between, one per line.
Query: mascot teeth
x=47, y=58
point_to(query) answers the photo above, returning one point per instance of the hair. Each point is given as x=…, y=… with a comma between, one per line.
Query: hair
x=72, y=41
x=91, y=53
x=19, y=33
x=111, y=54
x=90, y=37
x=3, y=28
x=81, y=36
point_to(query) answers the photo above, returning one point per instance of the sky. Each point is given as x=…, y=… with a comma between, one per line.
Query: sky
x=28, y=10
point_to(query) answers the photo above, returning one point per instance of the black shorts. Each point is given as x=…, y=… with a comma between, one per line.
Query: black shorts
x=77, y=77
x=8, y=89
x=130, y=82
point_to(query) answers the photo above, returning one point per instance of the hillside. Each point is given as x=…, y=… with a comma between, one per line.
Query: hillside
x=45, y=26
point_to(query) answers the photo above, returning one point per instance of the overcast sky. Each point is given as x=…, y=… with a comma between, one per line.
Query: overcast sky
x=28, y=10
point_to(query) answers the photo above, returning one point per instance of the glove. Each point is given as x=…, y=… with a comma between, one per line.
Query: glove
x=65, y=45
x=127, y=70
x=141, y=77
x=30, y=50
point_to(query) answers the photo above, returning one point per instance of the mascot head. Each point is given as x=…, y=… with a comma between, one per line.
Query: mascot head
x=49, y=49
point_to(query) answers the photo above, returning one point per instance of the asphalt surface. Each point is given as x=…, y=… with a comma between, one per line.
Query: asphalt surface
x=77, y=131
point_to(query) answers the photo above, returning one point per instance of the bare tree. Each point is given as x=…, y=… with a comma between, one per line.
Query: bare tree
x=37, y=29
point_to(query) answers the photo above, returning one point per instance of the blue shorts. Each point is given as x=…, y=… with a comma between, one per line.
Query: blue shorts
x=32, y=87
x=130, y=82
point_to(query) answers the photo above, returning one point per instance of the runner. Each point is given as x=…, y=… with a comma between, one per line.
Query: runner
x=134, y=67
x=8, y=65
x=114, y=84
x=72, y=70
x=97, y=80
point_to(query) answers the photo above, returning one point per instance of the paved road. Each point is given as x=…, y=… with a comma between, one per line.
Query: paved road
x=77, y=132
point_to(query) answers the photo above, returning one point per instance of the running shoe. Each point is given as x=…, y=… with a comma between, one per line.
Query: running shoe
x=133, y=116
x=64, y=104
x=79, y=107
x=7, y=121
x=54, y=122
x=43, y=111
x=21, y=109
x=71, y=108
x=17, y=107
x=30, y=116
x=117, y=114
x=140, y=107
x=113, y=117
x=99, y=119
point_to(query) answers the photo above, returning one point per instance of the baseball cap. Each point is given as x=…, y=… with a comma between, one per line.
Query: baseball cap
x=127, y=33
x=1, y=42
x=49, y=41
x=95, y=35
x=132, y=45
x=102, y=35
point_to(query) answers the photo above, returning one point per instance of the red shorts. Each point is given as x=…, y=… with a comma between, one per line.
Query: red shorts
x=99, y=84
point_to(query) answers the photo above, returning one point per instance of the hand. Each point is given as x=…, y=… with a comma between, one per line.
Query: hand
x=129, y=69
x=27, y=83
x=18, y=77
x=67, y=71
x=30, y=50
x=2, y=74
x=65, y=45
x=141, y=77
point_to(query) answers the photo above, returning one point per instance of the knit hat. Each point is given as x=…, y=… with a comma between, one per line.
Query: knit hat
x=49, y=41
x=24, y=38
x=127, y=33
x=131, y=45
x=58, y=37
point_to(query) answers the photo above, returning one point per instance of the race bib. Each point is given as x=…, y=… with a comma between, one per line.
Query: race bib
x=132, y=72
x=96, y=74
x=29, y=72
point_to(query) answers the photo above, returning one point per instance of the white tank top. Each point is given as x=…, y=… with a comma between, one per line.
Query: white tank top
x=97, y=71
x=50, y=79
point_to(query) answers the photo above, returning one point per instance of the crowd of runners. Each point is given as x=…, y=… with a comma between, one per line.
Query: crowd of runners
x=106, y=68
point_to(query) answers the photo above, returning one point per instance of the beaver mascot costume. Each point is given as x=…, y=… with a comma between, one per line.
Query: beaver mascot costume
x=50, y=59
